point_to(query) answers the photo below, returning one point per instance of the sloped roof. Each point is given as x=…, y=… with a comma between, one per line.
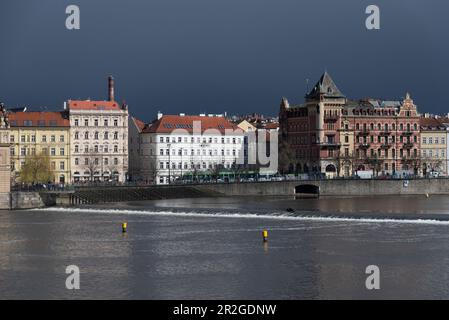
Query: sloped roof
x=39, y=119
x=93, y=105
x=169, y=123
x=139, y=124
x=325, y=86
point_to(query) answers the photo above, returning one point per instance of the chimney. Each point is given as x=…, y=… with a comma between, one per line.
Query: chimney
x=111, y=88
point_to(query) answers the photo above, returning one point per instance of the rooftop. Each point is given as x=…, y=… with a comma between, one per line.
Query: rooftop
x=168, y=123
x=39, y=119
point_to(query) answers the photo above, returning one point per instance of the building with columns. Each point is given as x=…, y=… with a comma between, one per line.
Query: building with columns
x=99, y=139
x=331, y=135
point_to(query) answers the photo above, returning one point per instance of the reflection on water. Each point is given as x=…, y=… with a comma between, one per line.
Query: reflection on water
x=209, y=248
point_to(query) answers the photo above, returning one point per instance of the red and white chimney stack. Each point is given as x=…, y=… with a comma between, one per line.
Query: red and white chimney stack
x=111, y=88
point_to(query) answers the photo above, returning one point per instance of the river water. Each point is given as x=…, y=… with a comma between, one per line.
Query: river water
x=211, y=248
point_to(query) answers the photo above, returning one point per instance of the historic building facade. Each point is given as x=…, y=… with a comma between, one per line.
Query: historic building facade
x=5, y=171
x=434, y=133
x=99, y=139
x=41, y=133
x=330, y=135
x=176, y=146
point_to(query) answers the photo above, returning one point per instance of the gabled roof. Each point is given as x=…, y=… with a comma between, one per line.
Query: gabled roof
x=140, y=125
x=93, y=105
x=325, y=86
x=39, y=119
x=169, y=123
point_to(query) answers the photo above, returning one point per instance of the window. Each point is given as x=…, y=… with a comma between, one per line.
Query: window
x=86, y=161
x=77, y=136
x=33, y=138
x=61, y=151
x=11, y=138
x=105, y=122
x=96, y=122
x=53, y=138
x=106, y=161
x=76, y=161
x=61, y=165
x=106, y=135
x=115, y=135
x=161, y=152
x=115, y=148
x=53, y=151
x=96, y=161
x=86, y=122
x=53, y=165
x=86, y=149
x=23, y=151
x=86, y=135
x=61, y=138
x=105, y=149
x=76, y=122
x=115, y=123
x=96, y=148
x=12, y=151
x=115, y=161
x=424, y=140
x=96, y=135
x=22, y=138
x=161, y=139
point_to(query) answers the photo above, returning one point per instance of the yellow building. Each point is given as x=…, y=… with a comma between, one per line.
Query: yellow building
x=433, y=147
x=34, y=133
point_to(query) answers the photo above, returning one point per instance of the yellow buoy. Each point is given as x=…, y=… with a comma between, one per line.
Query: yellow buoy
x=265, y=235
x=124, y=226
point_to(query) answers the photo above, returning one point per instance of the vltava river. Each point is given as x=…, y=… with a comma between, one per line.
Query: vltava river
x=211, y=248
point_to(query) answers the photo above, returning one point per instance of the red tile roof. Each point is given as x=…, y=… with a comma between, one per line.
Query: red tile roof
x=430, y=122
x=39, y=119
x=93, y=105
x=169, y=123
x=139, y=124
x=271, y=126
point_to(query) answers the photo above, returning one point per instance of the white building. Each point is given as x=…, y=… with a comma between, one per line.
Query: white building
x=192, y=147
x=99, y=139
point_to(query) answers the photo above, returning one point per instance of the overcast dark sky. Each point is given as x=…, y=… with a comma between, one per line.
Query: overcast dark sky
x=239, y=56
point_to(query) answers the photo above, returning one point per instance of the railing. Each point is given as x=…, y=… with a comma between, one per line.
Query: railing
x=364, y=145
x=364, y=132
x=408, y=145
x=407, y=133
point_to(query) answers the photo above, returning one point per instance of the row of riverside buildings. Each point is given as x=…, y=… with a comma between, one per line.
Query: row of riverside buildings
x=328, y=135
x=98, y=141
x=331, y=135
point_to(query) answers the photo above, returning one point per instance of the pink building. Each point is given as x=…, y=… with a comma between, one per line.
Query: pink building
x=332, y=135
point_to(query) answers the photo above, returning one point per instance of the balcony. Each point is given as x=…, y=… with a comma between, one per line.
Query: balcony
x=385, y=146
x=363, y=133
x=385, y=133
x=364, y=145
x=408, y=145
x=330, y=118
x=330, y=145
x=407, y=133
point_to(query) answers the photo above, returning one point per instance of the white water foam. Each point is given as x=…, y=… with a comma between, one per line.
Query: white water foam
x=273, y=216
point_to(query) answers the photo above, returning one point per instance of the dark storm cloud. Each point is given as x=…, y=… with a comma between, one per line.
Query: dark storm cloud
x=221, y=55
